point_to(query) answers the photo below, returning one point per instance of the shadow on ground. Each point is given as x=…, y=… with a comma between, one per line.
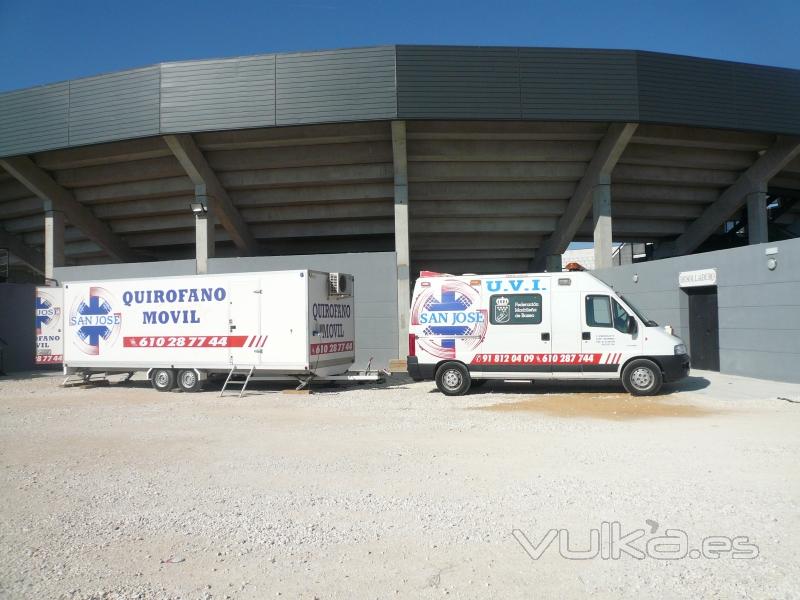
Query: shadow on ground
x=24, y=375
x=400, y=381
x=688, y=384
x=214, y=385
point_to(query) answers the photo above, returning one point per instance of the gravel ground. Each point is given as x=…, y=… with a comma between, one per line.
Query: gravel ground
x=394, y=490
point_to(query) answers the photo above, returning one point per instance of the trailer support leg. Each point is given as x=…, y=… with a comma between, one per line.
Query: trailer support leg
x=304, y=383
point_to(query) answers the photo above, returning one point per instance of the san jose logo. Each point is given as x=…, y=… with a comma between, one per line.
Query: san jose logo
x=93, y=320
x=450, y=312
x=48, y=315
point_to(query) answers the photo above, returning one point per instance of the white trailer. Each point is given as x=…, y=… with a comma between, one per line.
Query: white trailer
x=281, y=324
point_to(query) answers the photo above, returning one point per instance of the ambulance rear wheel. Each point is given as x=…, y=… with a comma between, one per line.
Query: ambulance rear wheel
x=642, y=377
x=189, y=381
x=163, y=380
x=453, y=379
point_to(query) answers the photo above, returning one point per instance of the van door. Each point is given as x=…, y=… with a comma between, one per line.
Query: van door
x=567, y=358
x=518, y=339
x=244, y=322
x=605, y=340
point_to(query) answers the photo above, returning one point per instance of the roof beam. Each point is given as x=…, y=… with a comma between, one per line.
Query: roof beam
x=324, y=175
x=733, y=198
x=696, y=137
x=605, y=158
x=455, y=241
x=102, y=154
x=500, y=150
x=672, y=176
x=302, y=135
x=123, y=172
x=41, y=184
x=32, y=258
x=194, y=163
x=499, y=130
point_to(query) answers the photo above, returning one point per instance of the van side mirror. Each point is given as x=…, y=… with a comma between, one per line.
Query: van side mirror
x=631, y=326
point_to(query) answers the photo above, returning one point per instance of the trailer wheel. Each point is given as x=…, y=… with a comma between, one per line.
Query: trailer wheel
x=189, y=381
x=453, y=379
x=642, y=377
x=163, y=380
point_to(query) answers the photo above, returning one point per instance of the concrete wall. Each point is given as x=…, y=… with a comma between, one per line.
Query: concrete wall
x=124, y=270
x=17, y=326
x=375, y=283
x=759, y=309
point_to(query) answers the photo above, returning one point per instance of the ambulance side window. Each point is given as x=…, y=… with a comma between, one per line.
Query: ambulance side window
x=598, y=311
x=620, y=318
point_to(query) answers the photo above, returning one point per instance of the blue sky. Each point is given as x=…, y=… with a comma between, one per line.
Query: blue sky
x=46, y=41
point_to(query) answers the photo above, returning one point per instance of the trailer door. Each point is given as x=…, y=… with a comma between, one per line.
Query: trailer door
x=244, y=322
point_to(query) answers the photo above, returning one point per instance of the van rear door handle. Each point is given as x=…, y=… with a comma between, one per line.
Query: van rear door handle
x=546, y=337
x=587, y=335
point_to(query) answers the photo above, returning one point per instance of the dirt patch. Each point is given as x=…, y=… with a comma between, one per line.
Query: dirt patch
x=614, y=407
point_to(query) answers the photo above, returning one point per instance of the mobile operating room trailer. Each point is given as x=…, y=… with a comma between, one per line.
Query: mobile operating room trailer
x=180, y=330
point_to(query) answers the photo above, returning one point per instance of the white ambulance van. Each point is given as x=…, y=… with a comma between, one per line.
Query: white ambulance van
x=465, y=330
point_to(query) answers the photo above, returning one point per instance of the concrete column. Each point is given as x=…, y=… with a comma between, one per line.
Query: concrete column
x=401, y=236
x=757, y=224
x=553, y=264
x=601, y=215
x=53, y=240
x=203, y=230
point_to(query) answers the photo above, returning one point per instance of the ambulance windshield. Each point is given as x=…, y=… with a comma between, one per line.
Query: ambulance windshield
x=647, y=322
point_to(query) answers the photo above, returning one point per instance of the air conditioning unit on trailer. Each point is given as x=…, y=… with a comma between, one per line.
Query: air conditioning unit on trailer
x=338, y=284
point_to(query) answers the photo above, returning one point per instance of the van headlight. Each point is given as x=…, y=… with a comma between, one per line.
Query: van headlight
x=680, y=349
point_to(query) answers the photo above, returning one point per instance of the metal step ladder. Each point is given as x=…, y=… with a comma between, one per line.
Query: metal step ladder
x=80, y=378
x=231, y=381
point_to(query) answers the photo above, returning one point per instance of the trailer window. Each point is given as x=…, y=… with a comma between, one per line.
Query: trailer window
x=515, y=309
x=598, y=311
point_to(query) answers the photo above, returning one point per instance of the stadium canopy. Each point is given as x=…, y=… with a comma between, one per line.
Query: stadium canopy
x=481, y=159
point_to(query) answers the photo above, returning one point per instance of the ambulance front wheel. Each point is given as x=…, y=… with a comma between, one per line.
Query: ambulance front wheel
x=642, y=377
x=189, y=381
x=163, y=380
x=453, y=379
